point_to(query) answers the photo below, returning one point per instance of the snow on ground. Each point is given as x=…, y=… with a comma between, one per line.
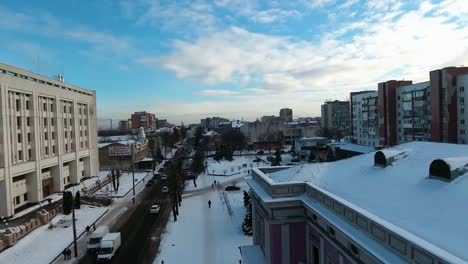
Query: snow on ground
x=236, y=166
x=44, y=244
x=205, y=235
x=126, y=184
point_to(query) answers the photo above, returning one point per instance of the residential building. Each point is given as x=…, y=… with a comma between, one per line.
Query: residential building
x=304, y=146
x=143, y=119
x=122, y=154
x=387, y=111
x=462, y=82
x=413, y=113
x=162, y=123
x=397, y=205
x=296, y=130
x=48, y=137
x=262, y=131
x=212, y=123
x=271, y=119
x=365, y=118
x=446, y=103
x=336, y=118
x=286, y=114
x=124, y=126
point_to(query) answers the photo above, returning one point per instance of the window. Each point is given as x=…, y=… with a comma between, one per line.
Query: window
x=19, y=138
x=18, y=104
x=20, y=155
x=17, y=200
x=51, y=107
x=53, y=135
x=331, y=231
x=462, y=121
x=52, y=121
x=70, y=108
x=354, y=249
x=27, y=105
x=70, y=121
x=53, y=149
x=47, y=151
x=81, y=121
x=46, y=136
x=29, y=154
x=45, y=107
x=65, y=123
x=81, y=133
x=28, y=121
x=462, y=100
x=66, y=147
x=64, y=108
x=66, y=134
x=25, y=196
x=462, y=110
x=45, y=121
x=18, y=121
x=462, y=132
x=29, y=137
x=81, y=143
x=462, y=88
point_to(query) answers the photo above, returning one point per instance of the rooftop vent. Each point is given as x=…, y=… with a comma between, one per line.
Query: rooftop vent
x=386, y=157
x=448, y=169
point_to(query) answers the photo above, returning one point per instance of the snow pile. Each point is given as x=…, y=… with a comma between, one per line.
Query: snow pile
x=44, y=244
x=401, y=194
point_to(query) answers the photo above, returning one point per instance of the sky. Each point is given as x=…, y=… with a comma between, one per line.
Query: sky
x=239, y=59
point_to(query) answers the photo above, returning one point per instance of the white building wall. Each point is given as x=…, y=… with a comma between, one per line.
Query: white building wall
x=45, y=124
x=462, y=92
x=363, y=135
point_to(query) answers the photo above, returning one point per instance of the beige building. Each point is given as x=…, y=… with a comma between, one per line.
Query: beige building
x=48, y=137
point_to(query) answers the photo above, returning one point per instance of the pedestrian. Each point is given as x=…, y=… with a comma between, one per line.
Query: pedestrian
x=240, y=261
x=209, y=203
x=162, y=261
x=212, y=186
x=64, y=252
x=215, y=182
x=87, y=229
x=94, y=226
x=68, y=253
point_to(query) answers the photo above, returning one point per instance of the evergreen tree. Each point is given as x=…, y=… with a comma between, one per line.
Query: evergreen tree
x=311, y=156
x=183, y=131
x=159, y=155
x=198, y=162
x=175, y=135
x=198, y=137
x=277, y=160
x=77, y=204
x=67, y=202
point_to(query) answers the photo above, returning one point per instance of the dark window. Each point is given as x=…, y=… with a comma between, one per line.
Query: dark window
x=379, y=159
x=18, y=104
x=27, y=105
x=18, y=121
x=354, y=249
x=47, y=151
x=29, y=137
x=17, y=200
x=20, y=155
x=45, y=107
x=46, y=136
x=66, y=134
x=65, y=123
x=315, y=255
x=53, y=149
x=64, y=108
x=53, y=135
x=25, y=197
x=52, y=121
x=28, y=121
x=331, y=231
x=70, y=121
x=29, y=154
x=45, y=121
x=51, y=107
x=19, y=138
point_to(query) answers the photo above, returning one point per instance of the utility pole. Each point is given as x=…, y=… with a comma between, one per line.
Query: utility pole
x=133, y=171
x=75, y=246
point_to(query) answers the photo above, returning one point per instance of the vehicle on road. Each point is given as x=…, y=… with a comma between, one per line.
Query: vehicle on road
x=164, y=177
x=154, y=209
x=155, y=176
x=165, y=189
x=161, y=170
x=149, y=184
x=110, y=243
x=261, y=152
x=95, y=238
x=232, y=188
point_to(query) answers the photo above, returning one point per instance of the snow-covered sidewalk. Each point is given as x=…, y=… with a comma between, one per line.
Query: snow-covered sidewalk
x=44, y=244
x=206, y=235
x=126, y=184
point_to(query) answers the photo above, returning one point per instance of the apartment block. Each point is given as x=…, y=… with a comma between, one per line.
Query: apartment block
x=143, y=119
x=286, y=114
x=365, y=118
x=462, y=82
x=414, y=113
x=336, y=118
x=48, y=137
x=446, y=103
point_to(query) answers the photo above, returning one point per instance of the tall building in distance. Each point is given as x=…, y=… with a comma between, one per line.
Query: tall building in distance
x=446, y=103
x=387, y=111
x=462, y=82
x=48, y=137
x=286, y=114
x=211, y=123
x=143, y=119
x=365, y=118
x=336, y=118
x=413, y=113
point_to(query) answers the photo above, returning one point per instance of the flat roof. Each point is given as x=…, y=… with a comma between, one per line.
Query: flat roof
x=402, y=193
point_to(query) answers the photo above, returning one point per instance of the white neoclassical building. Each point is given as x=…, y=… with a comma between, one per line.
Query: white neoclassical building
x=48, y=137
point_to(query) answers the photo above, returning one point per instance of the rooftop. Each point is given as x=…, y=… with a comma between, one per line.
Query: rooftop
x=352, y=147
x=402, y=194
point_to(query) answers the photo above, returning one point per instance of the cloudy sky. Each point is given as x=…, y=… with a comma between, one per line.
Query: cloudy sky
x=185, y=59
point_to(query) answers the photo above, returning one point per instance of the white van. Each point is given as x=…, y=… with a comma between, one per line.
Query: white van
x=108, y=247
x=95, y=238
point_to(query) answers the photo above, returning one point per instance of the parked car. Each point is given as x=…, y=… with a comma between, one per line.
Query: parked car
x=96, y=237
x=110, y=243
x=270, y=158
x=149, y=184
x=151, y=181
x=232, y=188
x=164, y=177
x=154, y=209
x=165, y=189
x=156, y=175
x=295, y=160
x=261, y=152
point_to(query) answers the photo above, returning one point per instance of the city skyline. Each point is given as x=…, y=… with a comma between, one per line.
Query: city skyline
x=236, y=59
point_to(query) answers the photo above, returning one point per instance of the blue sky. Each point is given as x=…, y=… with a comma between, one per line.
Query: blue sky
x=187, y=59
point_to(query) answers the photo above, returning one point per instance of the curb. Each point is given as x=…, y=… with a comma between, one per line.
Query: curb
x=77, y=238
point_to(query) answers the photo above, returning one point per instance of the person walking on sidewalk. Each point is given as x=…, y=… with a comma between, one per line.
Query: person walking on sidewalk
x=64, y=253
x=209, y=203
x=87, y=229
x=68, y=253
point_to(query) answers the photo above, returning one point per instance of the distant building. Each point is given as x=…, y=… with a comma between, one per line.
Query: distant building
x=414, y=113
x=270, y=119
x=212, y=123
x=162, y=123
x=48, y=137
x=365, y=118
x=143, y=119
x=124, y=126
x=387, y=111
x=462, y=82
x=336, y=118
x=397, y=205
x=286, y=114
x=446, y=103
x=262, y=131
x=304, y=146
x=119, y=155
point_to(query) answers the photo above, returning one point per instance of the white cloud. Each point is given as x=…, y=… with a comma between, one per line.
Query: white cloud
x=316, y=3
x=348, y=4
x=216, y=93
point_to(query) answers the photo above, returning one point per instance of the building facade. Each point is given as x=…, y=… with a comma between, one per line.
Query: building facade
x=48, y=137
x=143, y=119
x=365, y=118
x=122, y=154
x=336, y=118
x=286, y=114
x=462, y=82
x=413, y=113
x=446, y=103
x=212, y=123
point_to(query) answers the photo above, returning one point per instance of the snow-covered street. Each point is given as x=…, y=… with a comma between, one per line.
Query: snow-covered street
x=206, y=235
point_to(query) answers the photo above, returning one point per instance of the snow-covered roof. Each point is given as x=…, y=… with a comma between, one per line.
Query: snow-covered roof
x=353, y=147
x=237, y=124
x=401, y=194
x=165, y=130
x=312, y=138
x=124, y=142
x=115, y=138
x=211, y=133
x=101, y=145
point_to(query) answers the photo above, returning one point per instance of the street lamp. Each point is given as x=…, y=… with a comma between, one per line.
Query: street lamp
x=133, y=171
x=75, y=246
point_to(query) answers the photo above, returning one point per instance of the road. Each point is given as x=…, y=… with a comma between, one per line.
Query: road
x=141, y=232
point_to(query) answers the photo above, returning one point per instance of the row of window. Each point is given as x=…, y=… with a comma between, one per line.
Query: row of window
x=19, y=121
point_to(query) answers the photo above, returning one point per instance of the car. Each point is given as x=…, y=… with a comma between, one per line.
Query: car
x=165, y=189
x=295, y=160
x=154, y=209
x=261, y=152
x=232, y=188
x=164, y=177
x=149, y=184
x=161, y=170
